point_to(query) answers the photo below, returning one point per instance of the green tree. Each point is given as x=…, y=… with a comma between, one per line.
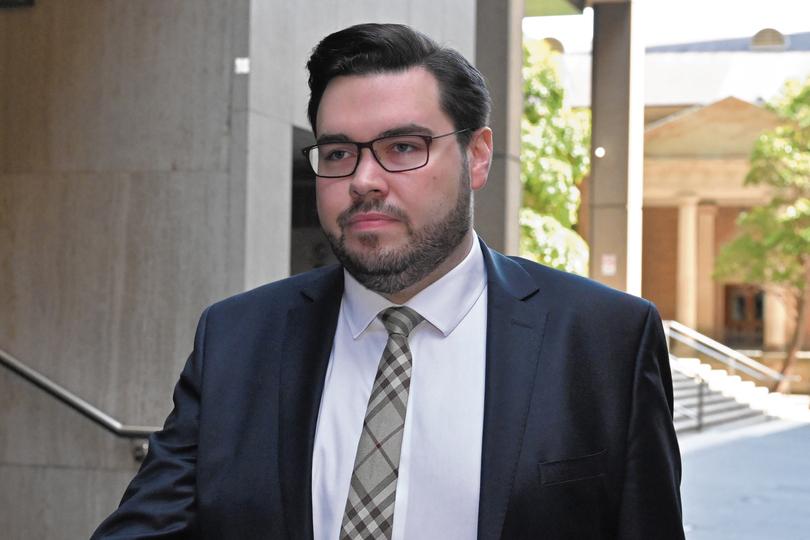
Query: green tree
x=772, y=248
x=554, y=157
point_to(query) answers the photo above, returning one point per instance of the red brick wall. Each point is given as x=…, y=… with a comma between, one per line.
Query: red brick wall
x=659, y=270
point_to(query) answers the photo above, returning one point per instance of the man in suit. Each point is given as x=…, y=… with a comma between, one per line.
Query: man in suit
x=428, y=386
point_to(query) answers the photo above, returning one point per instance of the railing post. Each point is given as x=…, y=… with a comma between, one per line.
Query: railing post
x=140, y=447
x=700, y=405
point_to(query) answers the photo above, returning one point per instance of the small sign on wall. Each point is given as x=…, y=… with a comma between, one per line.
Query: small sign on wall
x=15, y=3
x=609, y=264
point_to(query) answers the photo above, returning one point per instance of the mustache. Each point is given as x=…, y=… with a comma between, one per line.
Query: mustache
x=371, y=205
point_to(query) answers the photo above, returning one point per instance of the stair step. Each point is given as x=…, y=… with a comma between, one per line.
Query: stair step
x=734, y=417
x=720, y=410
x=686, y=393
x=685, y=383
x=689, y=424
x=708, y=399
x=711, y=409
x=725, y=398
x=677, y=376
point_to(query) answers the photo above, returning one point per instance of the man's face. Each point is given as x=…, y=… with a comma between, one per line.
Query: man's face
x=390, y=230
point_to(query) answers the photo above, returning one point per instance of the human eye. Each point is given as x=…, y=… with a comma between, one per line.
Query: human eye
x=336, y=151
x=404, y=145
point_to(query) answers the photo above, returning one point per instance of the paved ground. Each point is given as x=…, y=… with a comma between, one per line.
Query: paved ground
x=749, y=484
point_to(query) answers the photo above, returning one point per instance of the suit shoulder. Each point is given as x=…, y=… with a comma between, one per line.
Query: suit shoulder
x=284, y=293
x=567, y=289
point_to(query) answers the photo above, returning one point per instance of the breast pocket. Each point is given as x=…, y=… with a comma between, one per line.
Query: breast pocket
x=572, y=469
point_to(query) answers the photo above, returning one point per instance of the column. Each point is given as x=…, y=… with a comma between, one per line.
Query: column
x=706, y=215
x=775, y=321
x=616, y=183
x=687, y=297
x=499, y=56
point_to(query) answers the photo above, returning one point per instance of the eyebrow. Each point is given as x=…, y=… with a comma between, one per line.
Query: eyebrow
x=410, y=129
x=332, y=138
x=407, y=129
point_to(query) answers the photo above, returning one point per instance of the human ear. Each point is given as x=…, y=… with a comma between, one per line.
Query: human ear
x=479, y=157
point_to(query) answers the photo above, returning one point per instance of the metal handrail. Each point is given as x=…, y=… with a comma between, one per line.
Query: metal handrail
x=722, y=353
x=73, y=401
x=694, y=414
x=686, y=411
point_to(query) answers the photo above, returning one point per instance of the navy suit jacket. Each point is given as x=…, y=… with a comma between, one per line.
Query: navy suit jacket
x=578, y=438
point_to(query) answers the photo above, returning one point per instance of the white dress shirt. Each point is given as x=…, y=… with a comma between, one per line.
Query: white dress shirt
x=440, y=464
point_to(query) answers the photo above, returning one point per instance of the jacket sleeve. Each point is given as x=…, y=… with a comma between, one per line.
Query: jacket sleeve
x=651, y=502
x=160, y=500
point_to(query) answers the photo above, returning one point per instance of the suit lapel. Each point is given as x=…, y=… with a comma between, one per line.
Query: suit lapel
x=305, y=356
x=514, y=335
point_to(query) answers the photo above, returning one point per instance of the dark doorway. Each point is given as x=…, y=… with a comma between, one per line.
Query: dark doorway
x=744, y=313
x=308, y=246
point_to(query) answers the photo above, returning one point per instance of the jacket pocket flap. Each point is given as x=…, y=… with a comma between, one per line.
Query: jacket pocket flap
x=568, y=470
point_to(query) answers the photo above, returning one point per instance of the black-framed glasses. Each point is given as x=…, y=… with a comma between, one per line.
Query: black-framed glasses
x=394, y=153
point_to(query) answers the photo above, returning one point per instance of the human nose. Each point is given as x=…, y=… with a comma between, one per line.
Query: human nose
x=369, y=176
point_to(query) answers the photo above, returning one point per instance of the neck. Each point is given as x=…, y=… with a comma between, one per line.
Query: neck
x=452, y=260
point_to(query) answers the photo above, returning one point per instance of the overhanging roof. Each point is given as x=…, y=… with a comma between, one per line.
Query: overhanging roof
x=688, y=78
x=725, y=128
x=542, y=8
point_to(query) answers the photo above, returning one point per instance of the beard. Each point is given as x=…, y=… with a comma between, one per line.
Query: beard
x=388, y=271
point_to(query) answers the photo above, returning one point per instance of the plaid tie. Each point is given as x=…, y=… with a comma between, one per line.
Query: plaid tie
x=370, y=506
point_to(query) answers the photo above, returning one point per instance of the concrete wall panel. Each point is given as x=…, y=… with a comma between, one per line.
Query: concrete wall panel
x=116, y=86
x=103, y=278
x=272, y=46
x=65, y=511
x=39, y=431
x=122, y=214
x=107, y=277
x=450, y=22
x=269, y=201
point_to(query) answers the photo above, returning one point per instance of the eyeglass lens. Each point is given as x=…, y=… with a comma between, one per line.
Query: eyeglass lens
x=396, y=153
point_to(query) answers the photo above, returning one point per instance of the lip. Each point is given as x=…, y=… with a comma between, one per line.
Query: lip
x=370, y=220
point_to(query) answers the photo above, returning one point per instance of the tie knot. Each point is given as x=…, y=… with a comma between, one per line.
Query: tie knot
x=400, y=320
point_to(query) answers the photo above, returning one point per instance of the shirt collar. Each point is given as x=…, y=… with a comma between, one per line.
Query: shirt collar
x=444, y=303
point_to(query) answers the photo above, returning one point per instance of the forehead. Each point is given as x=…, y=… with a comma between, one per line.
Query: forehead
x=363, y=106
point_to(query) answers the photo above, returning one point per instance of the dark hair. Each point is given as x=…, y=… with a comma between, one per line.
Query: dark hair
x=378, y=48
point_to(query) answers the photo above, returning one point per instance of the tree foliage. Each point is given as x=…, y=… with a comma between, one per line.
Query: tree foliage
x=554, y=157
x=772, y=248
